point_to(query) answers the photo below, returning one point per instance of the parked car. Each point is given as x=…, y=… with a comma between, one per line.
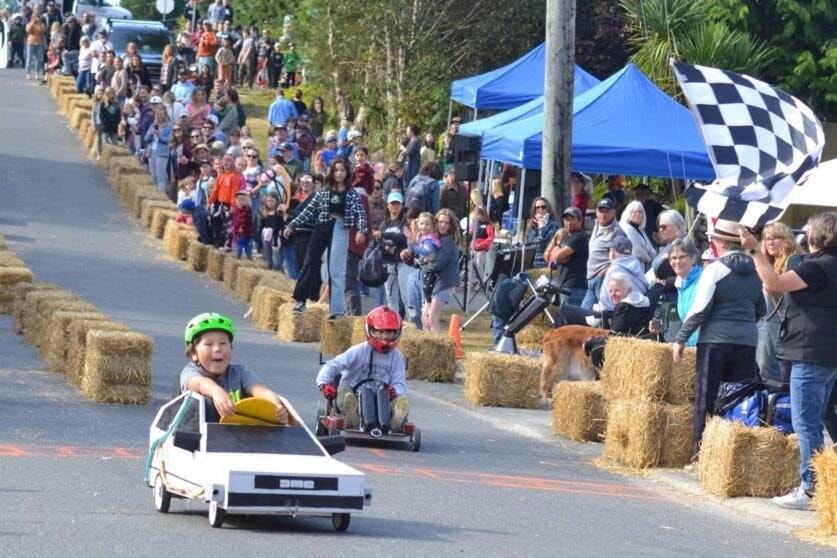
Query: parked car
x=102, y=9
x=151, y=37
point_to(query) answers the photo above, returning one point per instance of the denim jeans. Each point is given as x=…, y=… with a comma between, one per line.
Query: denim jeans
x=591, y=297
x=158, y=167
x=70, y=62
x=83, y=81
x=35, y=59
x=207, y=61
x=244, y=245
x=575, y=298
x=497, y=328
x=290, y=255
x=272, y=255
x=337, y=251
x=415, y=296
x=398, y=278
x=810, y=389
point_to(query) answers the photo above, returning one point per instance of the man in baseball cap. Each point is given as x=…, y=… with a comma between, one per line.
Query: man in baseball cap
x=604, y=232
x=569, y=256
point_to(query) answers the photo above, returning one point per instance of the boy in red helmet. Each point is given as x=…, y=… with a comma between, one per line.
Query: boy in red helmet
x=378, y=358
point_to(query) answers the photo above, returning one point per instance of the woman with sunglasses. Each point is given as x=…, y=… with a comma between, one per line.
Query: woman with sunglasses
x=540, y=228
x=333, y=211
x=661, y=276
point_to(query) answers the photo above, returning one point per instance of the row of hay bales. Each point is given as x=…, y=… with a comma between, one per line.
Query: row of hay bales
x=76, y=107
x=105, y=360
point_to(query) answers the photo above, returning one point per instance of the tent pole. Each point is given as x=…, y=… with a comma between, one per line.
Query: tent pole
x=475, y=113
x=486, y=188
x=450, y=115
x=480, y=175
x=518, y=199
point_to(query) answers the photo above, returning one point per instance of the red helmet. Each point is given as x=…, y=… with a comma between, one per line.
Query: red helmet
x=383, y=318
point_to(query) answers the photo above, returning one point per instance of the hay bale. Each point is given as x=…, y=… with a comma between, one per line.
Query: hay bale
x=128, y=186
x=31, y=311
x=109, y=151
x=89, y=135
x=147, y=208
x=825, y=499
x=215, y=264
x=70, y=98
x=429, y=356
x=531, y=337
x=501, y=380
x=46, y=312
x=77, y=344
x=642, y=434
x=640, y=370
x=3, y=245
x=58, y=331
x=336, y=335
x=279, y=281
x=358, y=334
x=117, y=367
x=170, y=240
x=123, y=167
x=248, y=278
x=231, y=267
x=144, y=193
x=19, y=307
x=196, y=255
x=77, y=115
x=579, y=411
x=10, y=259
x=9, y=278
x=265, y=303
x=301, y=328
x=736, y=460
x=159, y=218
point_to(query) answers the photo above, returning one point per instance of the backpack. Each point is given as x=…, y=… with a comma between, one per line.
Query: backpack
x=418, y=193
x=372, y=271
x=754, y=404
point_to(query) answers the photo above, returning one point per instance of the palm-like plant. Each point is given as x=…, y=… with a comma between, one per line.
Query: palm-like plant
x=682, y=30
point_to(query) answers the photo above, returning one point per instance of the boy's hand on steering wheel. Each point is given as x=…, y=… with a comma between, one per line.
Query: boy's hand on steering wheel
x=391, y=392
x=329, y=391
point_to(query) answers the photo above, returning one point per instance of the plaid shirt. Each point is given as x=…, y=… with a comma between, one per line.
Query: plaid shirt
x=317, y=211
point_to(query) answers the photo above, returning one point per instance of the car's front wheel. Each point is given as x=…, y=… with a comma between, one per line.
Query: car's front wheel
x=162, y=497
x=340, y=521
x=216, y=514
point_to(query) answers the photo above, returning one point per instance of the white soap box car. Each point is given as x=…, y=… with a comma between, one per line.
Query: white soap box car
x=249, y=470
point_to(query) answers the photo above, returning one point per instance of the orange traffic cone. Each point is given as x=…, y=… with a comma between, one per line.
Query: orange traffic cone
x=456, y=335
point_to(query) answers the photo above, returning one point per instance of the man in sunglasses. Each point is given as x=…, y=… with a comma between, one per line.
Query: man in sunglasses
x=604, y=232
x=210, y=134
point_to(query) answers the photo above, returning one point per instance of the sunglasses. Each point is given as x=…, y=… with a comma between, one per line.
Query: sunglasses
x=251, y=156
x=540, y=207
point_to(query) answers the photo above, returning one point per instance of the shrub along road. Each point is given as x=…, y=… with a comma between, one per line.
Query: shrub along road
x=72, y=469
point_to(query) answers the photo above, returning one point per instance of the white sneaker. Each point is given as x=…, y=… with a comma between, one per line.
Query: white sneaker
x=796, y=499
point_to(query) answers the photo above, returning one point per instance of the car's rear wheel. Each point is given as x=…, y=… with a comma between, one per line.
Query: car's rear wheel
x=162, y=497
x=216, y=514
x=340, y=521
x=415, y=440
x=321, y=430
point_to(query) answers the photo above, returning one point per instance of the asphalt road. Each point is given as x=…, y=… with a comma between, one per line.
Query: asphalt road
x=71, y=477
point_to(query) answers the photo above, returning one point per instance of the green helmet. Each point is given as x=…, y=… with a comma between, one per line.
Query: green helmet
x=208, y=321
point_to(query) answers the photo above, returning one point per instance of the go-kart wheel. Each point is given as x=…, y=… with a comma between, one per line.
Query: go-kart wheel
x=162, y=497
x=340, y=521
x=415, y=440
x=216, y=514
x=321, y=414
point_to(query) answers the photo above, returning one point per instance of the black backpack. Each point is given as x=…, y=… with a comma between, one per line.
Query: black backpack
x=372, y=271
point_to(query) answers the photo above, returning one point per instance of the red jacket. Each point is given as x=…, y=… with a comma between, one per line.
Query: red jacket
x=364, y=178
x=354, y=247
x=483, y=236
x=242, y=223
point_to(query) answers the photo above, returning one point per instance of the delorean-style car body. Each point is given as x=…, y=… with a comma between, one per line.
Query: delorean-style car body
x=238, y=469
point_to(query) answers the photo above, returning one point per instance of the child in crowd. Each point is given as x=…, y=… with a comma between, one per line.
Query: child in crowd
x=242, y=224
x=483, y=237
x=53, y=58
x=186, y=210
x=225, y=59
x=270, y=230
x=186, y=188
x=364, y=174
x=378, y=357
x=426, y=245
x=209, y=339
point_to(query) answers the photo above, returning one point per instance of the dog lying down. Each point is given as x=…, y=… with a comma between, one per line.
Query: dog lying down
x=563, y=356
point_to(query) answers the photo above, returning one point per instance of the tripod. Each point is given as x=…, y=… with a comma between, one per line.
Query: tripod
x=545, y=293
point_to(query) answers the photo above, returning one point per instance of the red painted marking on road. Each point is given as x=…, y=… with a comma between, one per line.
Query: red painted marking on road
x=379, y=453
x=124, y=453
x=512, y=481
x=13, y=451
x=65, y=451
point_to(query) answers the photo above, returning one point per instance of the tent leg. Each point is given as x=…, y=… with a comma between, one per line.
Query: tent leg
x=479, y=177
x=486, y=187
x=518, y=199
x=475, y=113
x=450, y=115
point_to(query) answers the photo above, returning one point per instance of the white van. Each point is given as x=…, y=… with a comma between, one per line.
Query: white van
x=103, y=9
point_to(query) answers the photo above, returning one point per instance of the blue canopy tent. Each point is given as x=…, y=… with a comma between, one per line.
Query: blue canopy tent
x=582, y=82
x=625, y=125
x=512, y=85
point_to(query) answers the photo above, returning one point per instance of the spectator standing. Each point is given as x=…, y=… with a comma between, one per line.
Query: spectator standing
x=17, y=39
x=72, y=32
x=427, y=153
x=119, y=81
x=276, y=62
x=633, y=224
x=394, y=178
x=498, y=202
x=807, y=340
x=207, y=47
x=228, y=12
x=215, y=13
x=393, y=237
x=411, y=153
x=642, y=194
x=109, y=117
x=482, y=236
x=225, y=60
x=292, y=61
x=247, y=59
x=157, y=139
x=540, y=229
x=305, y=141
x=580, y=188
x=452, y=194
x=670, y=227
x=598, y=259
x=727, y=304
x=569, y=252
x=299, y=104
x=36, y=31
x=319, y=117
x=85, y=63
x=445, y=265
x=280, y=110
x=422, y=191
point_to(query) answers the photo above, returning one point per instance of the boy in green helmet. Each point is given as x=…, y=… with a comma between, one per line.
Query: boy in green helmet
x=209, y=338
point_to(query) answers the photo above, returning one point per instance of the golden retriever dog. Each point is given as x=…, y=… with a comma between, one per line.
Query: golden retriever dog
x=563, y=356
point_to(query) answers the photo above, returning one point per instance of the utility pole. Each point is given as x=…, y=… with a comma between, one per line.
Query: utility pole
x=558, y=102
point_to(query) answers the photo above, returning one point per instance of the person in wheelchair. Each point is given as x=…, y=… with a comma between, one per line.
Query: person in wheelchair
x=378, y=359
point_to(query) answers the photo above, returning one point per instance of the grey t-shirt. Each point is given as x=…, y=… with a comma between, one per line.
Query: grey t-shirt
x=599, y=250
x=237, y=381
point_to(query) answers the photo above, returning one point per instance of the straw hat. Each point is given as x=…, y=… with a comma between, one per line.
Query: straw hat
x=726, y=230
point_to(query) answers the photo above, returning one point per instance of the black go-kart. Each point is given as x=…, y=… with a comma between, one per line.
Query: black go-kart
x=374, y=409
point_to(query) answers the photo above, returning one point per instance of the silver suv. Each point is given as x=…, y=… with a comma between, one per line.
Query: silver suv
x=151, y=37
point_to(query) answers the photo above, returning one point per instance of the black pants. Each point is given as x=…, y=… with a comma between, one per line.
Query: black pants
x=310, y=279
x=716, y=363
x=353, y=285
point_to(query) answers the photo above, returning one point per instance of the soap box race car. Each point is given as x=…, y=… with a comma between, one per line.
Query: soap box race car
x=374, y=413
x=249, y=466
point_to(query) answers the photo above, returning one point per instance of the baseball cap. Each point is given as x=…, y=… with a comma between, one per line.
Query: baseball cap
x=395, y=197
x=621, y=245
x=606, y=203
x=331, y=138
x=572, y=212
x=156, y=100
x=201, y=146
x=353, y=134
x=211, y=118
x=285, y=146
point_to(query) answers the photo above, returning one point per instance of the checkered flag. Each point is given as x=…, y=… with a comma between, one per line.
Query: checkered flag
x=761, y=141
